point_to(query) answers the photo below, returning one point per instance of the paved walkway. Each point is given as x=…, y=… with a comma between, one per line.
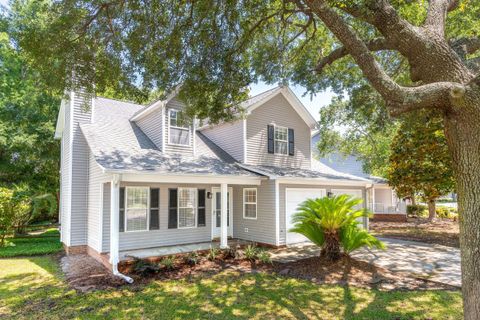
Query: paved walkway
x=430, y=261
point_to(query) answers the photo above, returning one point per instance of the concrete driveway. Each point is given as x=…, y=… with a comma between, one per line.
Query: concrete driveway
x=434, y=262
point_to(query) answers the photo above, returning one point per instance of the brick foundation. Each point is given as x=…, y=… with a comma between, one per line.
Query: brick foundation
x=389, y=217
x=100, y=257
x=75, y=249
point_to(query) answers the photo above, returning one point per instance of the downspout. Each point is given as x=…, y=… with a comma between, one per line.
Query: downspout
x=114, y=226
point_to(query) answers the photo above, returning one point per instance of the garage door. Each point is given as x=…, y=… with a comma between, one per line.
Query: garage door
x=294, y=197
x=356, y=194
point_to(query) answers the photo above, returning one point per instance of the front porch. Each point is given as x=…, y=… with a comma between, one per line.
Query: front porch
x=154, y=216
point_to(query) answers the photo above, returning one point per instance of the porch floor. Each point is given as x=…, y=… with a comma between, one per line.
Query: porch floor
x=176, y=249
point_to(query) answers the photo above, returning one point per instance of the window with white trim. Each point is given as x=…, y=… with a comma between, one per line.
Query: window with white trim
x=281, y=140
x=250, y=203
x=187, y=207
x=136, y=208
x=178, y=132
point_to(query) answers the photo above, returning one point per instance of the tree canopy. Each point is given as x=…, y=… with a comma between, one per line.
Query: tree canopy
x=28, y=109
x=420, y=162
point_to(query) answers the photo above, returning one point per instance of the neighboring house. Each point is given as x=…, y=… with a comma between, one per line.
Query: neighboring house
x=381, y=198
x=135, y=179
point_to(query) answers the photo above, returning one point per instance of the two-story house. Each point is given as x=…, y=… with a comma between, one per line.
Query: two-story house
x=135, y=180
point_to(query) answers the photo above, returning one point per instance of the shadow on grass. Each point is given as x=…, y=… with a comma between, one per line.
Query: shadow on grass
x=227, y=295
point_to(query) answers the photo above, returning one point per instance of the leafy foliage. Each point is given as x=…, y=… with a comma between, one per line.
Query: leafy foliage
x=250, y=252
x=264, y=257
x=420, y=161
x=28, y=109
x=15, y=211
x=331, y=222
x=168, y=263
x=213, y=254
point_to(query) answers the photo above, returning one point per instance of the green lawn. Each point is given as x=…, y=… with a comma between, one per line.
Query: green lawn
x=35, y=243
x=31, y=288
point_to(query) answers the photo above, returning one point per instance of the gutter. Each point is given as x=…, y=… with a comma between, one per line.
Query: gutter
x=119, y=274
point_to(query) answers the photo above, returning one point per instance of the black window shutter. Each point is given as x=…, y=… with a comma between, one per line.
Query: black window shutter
x=271, y=134
x=172, y=208
x=121, y=206
x=291, y=142
x=154, y=209
x=201, y=208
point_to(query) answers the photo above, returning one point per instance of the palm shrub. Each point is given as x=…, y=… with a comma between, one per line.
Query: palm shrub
x=332, y=224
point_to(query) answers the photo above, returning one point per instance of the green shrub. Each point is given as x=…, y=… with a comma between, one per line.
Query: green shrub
x=192, y=258
x=212, y=254
x=418, y=210
x=446, y=212
x=332, y=224
x=250, y=252
x=168, y=263
x=231, y=252
x=264, y=257
x=145, y=268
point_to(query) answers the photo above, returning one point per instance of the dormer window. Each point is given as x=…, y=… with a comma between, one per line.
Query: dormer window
x=281, y=140
x=178, y=132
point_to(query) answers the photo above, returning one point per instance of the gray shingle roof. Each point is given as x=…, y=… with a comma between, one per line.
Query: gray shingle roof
x=259, y=97
x=316, y=173
x=118, y=144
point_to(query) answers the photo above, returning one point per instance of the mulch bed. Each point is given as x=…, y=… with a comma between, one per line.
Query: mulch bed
x=351, y=272
x=84, y=273
x=441, y=231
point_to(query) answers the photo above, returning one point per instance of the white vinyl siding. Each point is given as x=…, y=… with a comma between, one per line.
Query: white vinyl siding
x=95, y=204
x=262, y=229
x=152, y=126
x=278, y=112
x=250, y=203
x=136, y=208
x=163, y=236
x=187, y=211
x=228, y=136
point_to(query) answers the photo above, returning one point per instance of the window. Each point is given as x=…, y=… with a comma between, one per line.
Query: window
x=178, y=133
x=187, y=207
x=281, y=140
x=136, y=208
x=250, y=203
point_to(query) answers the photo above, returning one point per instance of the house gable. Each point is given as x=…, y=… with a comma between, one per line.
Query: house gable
x=277, y=111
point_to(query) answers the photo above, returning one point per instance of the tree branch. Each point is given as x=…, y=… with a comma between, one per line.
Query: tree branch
x=430, y=96
x=399, y=99
x=377, y=44
x=437, y=14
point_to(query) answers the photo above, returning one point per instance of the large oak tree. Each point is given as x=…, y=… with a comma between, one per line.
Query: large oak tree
x=216, y=48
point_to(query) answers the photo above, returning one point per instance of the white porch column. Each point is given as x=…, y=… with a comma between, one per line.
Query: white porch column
x=373, y=200
x=223, y=216
x=114, y=218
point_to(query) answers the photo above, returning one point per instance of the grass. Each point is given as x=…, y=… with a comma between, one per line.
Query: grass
x=31, y=288
x=36, y=243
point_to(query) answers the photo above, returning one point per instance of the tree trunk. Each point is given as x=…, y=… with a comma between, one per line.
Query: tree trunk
x=432, y=214
x=414, y=202
x=331, y=247
x=462, y=130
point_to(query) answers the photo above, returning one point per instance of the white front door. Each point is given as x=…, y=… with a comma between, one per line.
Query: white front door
x=217, y=211
x=294, y=197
